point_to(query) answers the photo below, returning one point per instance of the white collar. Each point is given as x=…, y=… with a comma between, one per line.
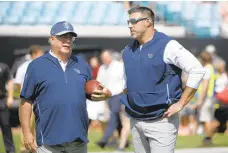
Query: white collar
x=60, y=61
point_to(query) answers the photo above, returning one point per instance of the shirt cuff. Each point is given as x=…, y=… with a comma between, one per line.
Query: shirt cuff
x=195, y=78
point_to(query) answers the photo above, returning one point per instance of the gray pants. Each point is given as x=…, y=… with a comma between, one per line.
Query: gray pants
x=157, y=136
x=73, y=147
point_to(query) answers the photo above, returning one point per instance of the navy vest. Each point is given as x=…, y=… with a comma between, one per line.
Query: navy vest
x=152, y=84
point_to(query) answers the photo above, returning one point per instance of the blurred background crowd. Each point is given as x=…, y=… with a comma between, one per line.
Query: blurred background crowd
x=201, y=27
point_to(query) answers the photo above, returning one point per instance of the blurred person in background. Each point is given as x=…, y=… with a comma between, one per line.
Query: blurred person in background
x=188, y=119
x=125, y=131
x=35, y=51
x=222, y=80
x=95, y=65
x=109, y=75
x=211, y=49
x=6, y=101
x=18, y=62
x=189, y=112
x=205, y=102
x=96, y=111
x=117, y=56
x=221, y=108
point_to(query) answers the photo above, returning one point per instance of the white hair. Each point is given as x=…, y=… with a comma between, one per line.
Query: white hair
x=210, y=48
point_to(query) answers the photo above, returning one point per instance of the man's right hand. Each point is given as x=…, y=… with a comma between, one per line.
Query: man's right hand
x=99, y=95
x=29, y=142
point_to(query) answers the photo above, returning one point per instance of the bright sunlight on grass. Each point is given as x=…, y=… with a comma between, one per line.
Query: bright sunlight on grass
x=94, y=136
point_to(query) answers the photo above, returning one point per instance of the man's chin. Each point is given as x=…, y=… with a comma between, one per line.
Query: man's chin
x=134, y=36
x=66, y=51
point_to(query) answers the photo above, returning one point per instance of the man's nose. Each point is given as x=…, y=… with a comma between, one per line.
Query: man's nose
x=130, y=25
x=69, y=40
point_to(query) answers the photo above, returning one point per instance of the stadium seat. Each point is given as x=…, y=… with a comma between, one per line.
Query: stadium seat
x=4, y=8
x=35, y=6
x=114, y=14
x=124, y=18
x=160, y=10
x=200, y=18
x=81, y=16
x=46, y=20
x=29, y=19
x=97, y=14
x=1, y=19
x=173, y=13
x=203, y=20
x=68, y=13
x=11, y=20
x=188, y=13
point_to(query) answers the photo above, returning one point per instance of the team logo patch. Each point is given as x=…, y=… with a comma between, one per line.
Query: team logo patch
x=150, y=55
x=66, y=25
x=77, y=70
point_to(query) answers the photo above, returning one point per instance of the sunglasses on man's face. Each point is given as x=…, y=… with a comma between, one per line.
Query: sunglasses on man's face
x=135, y=21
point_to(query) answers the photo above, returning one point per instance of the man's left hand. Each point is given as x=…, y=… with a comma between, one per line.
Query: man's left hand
x=99, y=95
x=173, y=109
x=9, y=101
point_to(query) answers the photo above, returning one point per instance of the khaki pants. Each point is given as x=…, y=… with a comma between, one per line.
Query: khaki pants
x=158, y=136
x=207, y=110
x=33, y=130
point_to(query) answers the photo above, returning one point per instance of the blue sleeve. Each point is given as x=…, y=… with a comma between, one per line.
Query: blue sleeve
x=89, y=71
x=87, y=67
x=29, y=85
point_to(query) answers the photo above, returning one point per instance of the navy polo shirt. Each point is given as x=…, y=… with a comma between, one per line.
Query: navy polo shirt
x=59, y=99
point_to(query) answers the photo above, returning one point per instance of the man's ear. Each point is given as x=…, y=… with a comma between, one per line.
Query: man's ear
x=149, y=23
x=50, y=40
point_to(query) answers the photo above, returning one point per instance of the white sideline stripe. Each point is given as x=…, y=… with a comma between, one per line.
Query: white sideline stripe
x=195, y=150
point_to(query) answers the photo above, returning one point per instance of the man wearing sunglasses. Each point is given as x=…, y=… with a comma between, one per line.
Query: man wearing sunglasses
x=153, y=63
x=54, y=85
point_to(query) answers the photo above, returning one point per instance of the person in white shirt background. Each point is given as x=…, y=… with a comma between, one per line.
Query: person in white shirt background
x=97, y=111
x=110, y=75
x=35, y=51
x=222, y=80
x=211, y=49
x=206, y=99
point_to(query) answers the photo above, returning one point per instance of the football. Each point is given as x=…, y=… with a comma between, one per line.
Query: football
x=90, y=86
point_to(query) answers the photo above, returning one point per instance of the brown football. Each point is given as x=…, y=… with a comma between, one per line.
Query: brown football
x=90, y=86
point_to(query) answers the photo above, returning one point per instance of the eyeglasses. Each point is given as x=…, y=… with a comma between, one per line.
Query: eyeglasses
x=66, y=37
x=135, y=21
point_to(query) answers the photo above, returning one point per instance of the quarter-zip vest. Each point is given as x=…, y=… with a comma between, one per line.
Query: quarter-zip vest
x=152, y=84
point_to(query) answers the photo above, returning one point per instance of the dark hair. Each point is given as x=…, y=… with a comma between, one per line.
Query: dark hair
x=34, y=49
x=143, y=10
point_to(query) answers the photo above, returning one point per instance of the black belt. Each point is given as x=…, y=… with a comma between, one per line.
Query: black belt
x=146, y=109
x=78, y=140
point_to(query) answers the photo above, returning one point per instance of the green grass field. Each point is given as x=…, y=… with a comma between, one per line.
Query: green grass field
x=182, y=142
